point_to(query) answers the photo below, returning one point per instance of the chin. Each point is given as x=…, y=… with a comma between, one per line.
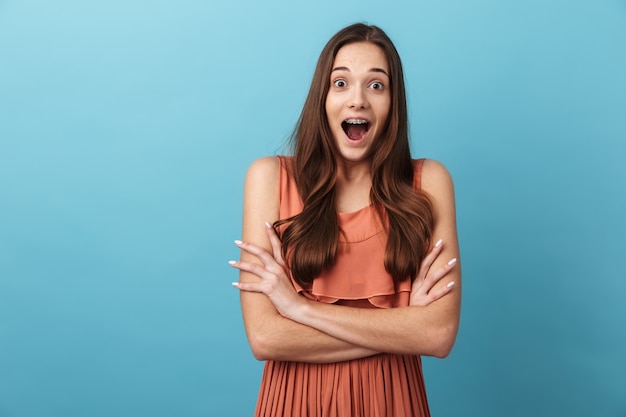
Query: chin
x=354, y=156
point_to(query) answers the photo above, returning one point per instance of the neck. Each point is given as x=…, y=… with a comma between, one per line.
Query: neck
x=349, y=172
x=352, y=189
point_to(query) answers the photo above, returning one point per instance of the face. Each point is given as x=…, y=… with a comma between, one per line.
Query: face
x=358, y=102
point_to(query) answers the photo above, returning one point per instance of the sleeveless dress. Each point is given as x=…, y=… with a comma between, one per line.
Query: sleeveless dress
x=383, y=385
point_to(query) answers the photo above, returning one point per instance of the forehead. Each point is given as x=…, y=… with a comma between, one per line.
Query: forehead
x=362, y=56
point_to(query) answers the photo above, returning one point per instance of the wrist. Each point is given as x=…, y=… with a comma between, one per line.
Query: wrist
x=301, y=310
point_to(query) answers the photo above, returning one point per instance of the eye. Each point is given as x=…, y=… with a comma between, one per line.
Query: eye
x=377, y=85
x=340, y=83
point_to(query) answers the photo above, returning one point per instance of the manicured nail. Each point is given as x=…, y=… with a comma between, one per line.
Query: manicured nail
x=238, y=242
x=232, y=262
x=268, y=224
x=439, y=242
x=452, y=261
x=235, y=284
x=450, y=284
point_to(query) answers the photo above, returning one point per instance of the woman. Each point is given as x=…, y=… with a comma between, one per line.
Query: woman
x=342, y=284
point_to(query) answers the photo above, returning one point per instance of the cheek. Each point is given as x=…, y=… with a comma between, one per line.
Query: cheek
x=332, y=109
x=329, y=101
x=385, y=109
x=328, y=118
x=328, y=106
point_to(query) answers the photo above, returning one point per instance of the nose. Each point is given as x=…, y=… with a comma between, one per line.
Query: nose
x=358, y=98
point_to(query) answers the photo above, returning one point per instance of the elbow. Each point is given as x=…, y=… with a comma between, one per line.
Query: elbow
x=443, y=342
x=267, y=339
x=442, y=351
x=266, y=346
x=258, y=354
x=259, y=347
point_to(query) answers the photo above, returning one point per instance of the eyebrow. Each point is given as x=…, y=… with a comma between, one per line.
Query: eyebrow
x=371, y=70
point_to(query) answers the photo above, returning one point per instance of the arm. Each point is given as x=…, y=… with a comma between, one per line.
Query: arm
x=271, y=335
x=427, y=328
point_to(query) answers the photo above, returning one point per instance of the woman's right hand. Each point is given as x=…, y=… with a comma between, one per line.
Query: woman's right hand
x=423, y=291
x=272, y=271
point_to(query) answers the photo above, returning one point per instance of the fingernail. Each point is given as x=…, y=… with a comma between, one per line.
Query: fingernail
x=439, y=242
x=235, y=284
x=268, y=224
x=450, y=284
x=452, y=261
x=232, y=262
x=238, y=242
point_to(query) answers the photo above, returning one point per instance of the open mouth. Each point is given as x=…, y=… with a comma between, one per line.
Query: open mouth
x=355, y=129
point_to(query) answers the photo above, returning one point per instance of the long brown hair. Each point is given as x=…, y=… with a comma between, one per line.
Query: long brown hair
x=311, y=239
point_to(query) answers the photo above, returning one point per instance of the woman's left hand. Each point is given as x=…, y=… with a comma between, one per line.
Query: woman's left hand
x=422, y=289
x=275, y=282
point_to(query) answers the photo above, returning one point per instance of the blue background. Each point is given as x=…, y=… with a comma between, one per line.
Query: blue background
x=125, y=132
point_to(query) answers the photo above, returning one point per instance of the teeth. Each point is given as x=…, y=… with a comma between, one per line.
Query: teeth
x=356, y=121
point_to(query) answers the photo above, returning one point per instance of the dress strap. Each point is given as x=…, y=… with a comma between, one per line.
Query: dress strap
x=417, y=173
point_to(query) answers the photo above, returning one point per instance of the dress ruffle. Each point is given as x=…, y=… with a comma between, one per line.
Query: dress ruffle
x=363, y=272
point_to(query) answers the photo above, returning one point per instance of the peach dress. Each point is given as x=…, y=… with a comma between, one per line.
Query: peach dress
x=383, y=385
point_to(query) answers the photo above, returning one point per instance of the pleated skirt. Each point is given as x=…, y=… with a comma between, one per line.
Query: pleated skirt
x=383, y=385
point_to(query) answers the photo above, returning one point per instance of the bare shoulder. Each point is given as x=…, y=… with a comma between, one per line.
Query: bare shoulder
x=261, y=198
x=434, y=172
x=264, y=169
x=436, y=180
x=263, y=176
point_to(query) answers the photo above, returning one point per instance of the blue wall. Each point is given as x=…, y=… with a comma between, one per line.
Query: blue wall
x=125, y=132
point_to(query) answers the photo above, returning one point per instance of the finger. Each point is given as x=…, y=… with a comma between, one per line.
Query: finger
x=438, y=274
x=257, y=251
x=429, y=259
x=254, y=268
x=437, y=294
x=269, y=263
x=248, y=286
x=440, y=292
x=276, y=243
